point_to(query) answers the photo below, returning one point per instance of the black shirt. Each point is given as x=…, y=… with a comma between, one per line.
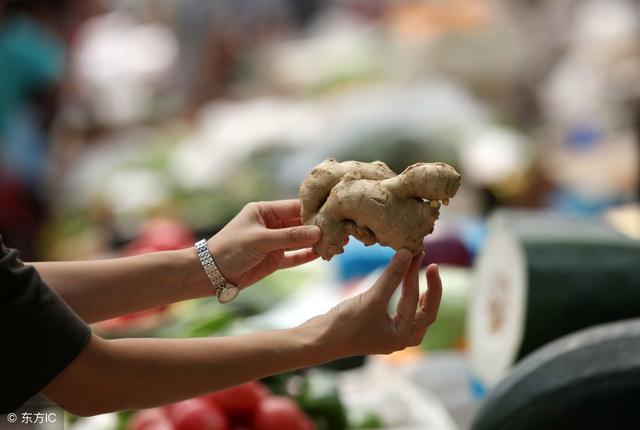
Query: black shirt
x=39, y=334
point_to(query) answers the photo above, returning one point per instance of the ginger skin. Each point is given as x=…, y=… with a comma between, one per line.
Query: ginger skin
x=373, y=204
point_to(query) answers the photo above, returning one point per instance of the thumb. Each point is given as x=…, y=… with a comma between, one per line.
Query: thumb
x=388, y=282
x=289, y=238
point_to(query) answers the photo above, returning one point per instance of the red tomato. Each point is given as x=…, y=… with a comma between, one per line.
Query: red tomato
x=278, y=413
x=308, y=424
x=239, y=401
x=138, y=248
x=196, y=414
x=161, y=234
x=150, y=419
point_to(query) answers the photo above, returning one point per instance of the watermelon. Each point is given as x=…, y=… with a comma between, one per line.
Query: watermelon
x=541, y=276
x=586, y=380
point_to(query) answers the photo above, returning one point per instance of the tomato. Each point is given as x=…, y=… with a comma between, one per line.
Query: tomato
x=196, y=414
x=277, y=413
x=308, y=424
x=150, y=419
x=138, y=248
x=161, y=234
x=240, y=401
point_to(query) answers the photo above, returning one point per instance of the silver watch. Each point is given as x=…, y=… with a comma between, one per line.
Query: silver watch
x=225, y=290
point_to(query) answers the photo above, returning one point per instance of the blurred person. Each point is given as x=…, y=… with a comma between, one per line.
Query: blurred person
x=218, y=39
x=45, y=308
x=34, y=36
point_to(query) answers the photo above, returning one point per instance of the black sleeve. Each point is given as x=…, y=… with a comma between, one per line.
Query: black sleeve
x=39, y=334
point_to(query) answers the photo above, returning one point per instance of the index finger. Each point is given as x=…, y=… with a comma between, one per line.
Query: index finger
x=407, y=305
x=282, y=209
x=389, y=280
x=291, y=222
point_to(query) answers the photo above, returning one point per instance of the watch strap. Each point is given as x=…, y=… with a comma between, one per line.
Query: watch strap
x=225, y=290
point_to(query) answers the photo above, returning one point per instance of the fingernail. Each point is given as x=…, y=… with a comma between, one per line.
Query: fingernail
x=312, y=232
x=404, y=255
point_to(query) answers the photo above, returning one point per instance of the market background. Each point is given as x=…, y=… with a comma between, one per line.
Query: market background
x=138, y=126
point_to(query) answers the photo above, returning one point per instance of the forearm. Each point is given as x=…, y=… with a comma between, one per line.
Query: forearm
x=141, y=373
x=102, y=289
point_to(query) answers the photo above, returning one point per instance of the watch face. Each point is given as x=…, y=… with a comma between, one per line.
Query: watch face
x=226, y=294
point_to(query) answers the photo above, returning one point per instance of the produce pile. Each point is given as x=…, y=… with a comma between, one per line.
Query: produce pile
x=249, y=406
x=291, y=401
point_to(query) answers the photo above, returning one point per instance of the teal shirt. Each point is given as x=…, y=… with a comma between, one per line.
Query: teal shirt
x=30, y=58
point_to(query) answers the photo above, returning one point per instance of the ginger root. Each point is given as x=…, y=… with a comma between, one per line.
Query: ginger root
x=370, y=202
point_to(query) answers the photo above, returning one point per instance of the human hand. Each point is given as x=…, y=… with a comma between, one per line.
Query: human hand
x=256, y=242
x=362, y=325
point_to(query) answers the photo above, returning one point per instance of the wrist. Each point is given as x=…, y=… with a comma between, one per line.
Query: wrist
x=221, y=254
x=314, y=336
x=194, y=278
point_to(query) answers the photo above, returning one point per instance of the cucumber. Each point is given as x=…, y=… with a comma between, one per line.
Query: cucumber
x=541, y=276
x=586, y=380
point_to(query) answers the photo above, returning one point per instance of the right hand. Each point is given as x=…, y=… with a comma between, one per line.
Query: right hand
x=362, y=325
x=258, y=241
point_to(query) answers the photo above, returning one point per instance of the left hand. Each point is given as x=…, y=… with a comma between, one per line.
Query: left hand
x=362, y=324
x=257, y=241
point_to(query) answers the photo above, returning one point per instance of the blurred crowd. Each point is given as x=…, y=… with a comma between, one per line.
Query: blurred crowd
x=112, y=112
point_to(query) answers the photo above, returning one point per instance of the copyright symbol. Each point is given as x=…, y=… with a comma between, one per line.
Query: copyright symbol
x=12, y=418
